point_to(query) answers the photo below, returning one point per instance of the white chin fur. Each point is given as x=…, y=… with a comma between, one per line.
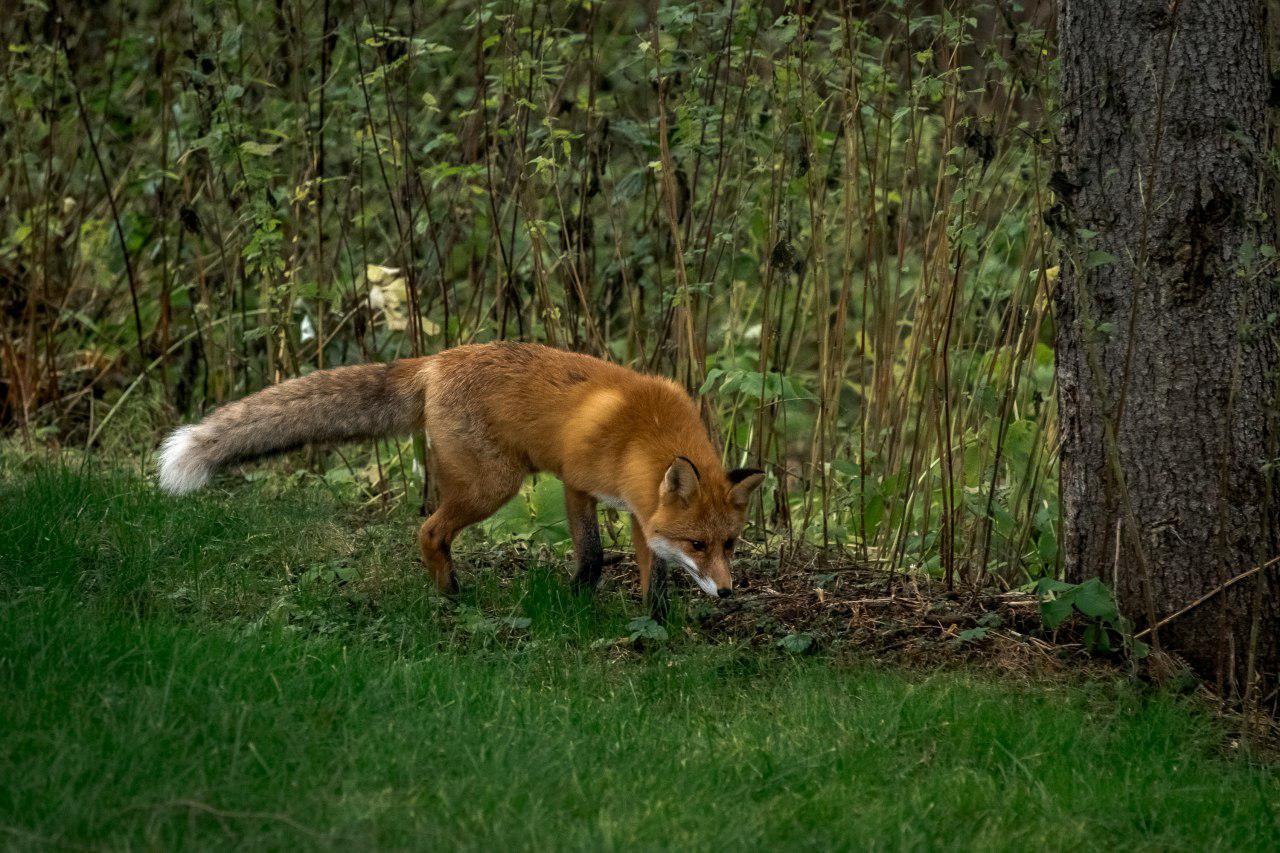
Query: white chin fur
x=181, y=468
x=704, y=583
x=668, y=551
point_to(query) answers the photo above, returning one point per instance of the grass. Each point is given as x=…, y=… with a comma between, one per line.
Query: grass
x=262, y=668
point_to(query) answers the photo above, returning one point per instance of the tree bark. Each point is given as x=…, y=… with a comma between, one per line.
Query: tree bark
x=1166, y=323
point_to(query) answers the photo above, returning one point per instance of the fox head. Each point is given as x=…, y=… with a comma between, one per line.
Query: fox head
x=699, y=517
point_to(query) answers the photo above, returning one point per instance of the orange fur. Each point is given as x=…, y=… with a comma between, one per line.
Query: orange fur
x=495, y=413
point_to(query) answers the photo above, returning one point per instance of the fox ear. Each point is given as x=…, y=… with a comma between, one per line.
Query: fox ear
x=680, y=481
x=745, y=481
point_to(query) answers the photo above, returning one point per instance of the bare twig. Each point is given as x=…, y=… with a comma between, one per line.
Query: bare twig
x=1208, y=595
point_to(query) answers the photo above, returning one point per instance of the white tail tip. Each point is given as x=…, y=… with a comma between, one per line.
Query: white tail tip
x=182, y=468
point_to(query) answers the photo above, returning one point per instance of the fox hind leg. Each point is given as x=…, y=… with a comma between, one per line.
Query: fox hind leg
x=435, y=539
x=464, y=499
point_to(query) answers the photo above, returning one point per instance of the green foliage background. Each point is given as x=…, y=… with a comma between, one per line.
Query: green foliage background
x=825, y=219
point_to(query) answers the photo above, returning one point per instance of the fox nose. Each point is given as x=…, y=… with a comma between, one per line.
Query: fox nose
x=724, y=591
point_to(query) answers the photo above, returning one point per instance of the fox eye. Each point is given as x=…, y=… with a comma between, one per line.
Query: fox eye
x=698, y=545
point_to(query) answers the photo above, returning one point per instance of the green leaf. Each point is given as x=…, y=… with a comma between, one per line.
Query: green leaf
x=1096, y=638
x=1098, y=258
x=710, y=382
x=644, y=628
x=797, y=644
x=1055, y=611
x=1047, y=585
x=259, y=149
x=991, y=619
x=1093, y=599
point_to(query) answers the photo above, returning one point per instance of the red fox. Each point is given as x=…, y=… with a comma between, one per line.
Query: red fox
x=494, y=413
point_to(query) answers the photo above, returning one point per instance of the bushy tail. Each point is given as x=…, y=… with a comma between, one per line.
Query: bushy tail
x=364, y=401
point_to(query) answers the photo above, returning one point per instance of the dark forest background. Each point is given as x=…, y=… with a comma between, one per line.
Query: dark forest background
x=827, y=220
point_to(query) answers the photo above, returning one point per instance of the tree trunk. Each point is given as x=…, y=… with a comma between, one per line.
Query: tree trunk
x=1167, y=324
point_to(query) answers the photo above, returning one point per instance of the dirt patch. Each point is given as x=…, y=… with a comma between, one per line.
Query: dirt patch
x=806, y=602
x=907, y=618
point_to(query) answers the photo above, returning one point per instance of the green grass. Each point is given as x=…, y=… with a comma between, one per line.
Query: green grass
x=191, y=673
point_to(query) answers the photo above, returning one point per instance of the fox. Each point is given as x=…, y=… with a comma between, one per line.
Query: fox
x=493, y=414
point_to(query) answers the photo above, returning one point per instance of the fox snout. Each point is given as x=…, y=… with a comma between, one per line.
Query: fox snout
x=721, y=582
x=714, y=587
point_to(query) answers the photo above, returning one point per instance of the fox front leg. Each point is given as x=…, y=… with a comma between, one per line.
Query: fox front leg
x=584, y=527
x=653, y=573
x=656, y=596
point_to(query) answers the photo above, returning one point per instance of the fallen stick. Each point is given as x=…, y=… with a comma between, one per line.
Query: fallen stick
x=1208, y=595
